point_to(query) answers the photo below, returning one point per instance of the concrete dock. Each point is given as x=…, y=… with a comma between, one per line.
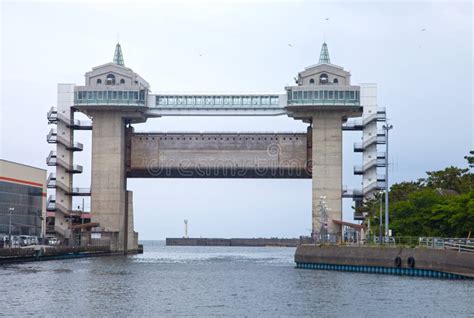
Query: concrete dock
x=418, y=261
x=44, y=253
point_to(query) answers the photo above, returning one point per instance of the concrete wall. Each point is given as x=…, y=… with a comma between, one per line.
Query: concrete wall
x=425, y=258
x=247, y=155
x=332, y=71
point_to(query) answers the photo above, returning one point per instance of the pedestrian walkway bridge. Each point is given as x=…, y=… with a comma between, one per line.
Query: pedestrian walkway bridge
x=232, y=104
x=217, y=105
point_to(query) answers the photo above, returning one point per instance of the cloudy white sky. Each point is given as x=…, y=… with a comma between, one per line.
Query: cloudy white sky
x=419, y=54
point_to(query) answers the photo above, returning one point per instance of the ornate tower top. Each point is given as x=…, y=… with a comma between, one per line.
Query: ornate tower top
x=324, y=55
x=118, y=57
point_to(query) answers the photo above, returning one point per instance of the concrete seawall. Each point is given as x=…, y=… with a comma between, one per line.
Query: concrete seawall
x=18, y=255
x=285, y=242
x=426, y=260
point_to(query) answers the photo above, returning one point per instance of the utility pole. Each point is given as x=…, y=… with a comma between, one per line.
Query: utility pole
x=10, y=212
x=387, y=128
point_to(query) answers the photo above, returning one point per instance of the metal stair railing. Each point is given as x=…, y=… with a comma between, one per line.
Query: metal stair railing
x=360, y=123
x=375, y=162
x=52, y=160
x=374, y=185
x=67, y=212
x=52, y=183
x=372, y=163
x=62, y=186
x=80, y=191
x=379, y=138
x=380, y=115
x=50, y=137
x=53, y=137
x=50, y=204
x=354, y=124
x=51, y=177
x=82, y=124
x=77, y=146
x=54, y=117
x=351, y=193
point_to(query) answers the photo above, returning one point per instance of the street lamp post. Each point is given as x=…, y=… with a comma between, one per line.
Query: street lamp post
x=387, y=128
x=324, y=218
x=380, y=218
x=10, y=212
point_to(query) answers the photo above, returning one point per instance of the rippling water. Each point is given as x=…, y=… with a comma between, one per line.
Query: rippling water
x=219, y=281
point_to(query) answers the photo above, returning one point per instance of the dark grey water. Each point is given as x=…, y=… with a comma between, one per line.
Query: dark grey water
x=219, y=281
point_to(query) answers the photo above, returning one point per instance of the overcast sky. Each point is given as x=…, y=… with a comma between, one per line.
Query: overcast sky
x=420, y=56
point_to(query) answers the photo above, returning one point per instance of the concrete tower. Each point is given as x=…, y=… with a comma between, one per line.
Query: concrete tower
x=113, y=97
x=325, y=98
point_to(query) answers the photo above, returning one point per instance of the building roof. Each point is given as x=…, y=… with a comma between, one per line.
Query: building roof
x=22, y=164
x=355, y=226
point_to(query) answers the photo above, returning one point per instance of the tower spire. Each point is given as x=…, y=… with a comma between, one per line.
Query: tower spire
x=324, y=55
x=118, y=57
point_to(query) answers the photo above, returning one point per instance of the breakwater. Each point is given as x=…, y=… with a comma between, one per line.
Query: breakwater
x=284, y=242
x=419, y=261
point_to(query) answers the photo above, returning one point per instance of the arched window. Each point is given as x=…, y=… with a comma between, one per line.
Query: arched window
x=311, y=81
x=323, y=79
x=122, y=81
x=99, y=81
x=111, y=79
x=335, y=81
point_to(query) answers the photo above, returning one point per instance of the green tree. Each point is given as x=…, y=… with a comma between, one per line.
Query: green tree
x=470, y=159
x=401, y=191
x=451, y=178
x=418, y=208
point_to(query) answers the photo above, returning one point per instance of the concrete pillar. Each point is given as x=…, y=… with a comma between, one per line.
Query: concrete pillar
x=327, y=169
x=132, y=236
x=108, y=187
